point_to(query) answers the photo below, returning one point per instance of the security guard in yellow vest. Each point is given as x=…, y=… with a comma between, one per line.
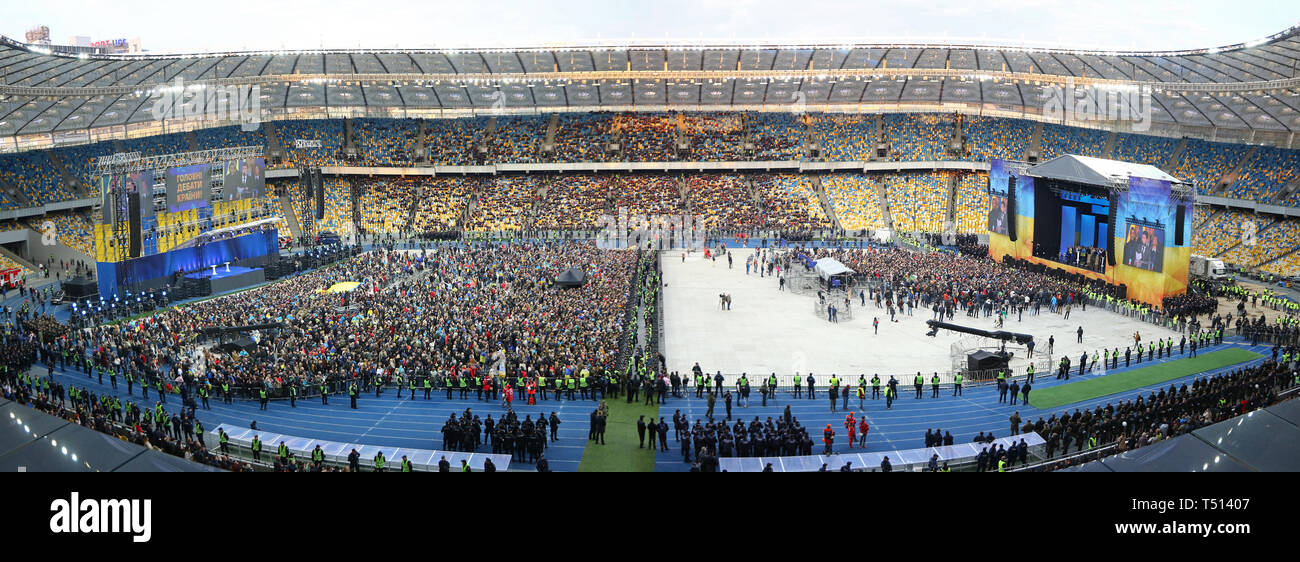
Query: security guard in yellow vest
x=317, y=457
x=283, y=452
x=406, y=464
x=379, y=462
x=352, y=393
x=956, y=384
x=257, y=448
x=934, y=386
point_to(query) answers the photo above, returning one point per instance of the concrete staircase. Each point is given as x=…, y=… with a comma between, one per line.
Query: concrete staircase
x=1258, y=234
x=1177, y=155
x=552, y=127
x=882, y=196
x=274, y=148
x=950, y=217
x=1109, y=148
x=878, y=137
x=415, y=204
x=1232, y=175
x=1277, y=257
x=1035, y=147
x=1284, y=193
x=290, y=214
x=71, y=183
x=828, y=206
x=6, y=252
x=421, y=154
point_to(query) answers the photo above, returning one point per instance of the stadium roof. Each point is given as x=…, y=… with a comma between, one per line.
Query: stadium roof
x=1260, y=441
x=1249, y=86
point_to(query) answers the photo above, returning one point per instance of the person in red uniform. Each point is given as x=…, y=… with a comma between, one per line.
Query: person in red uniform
x=828, y=437
x=532, y=393
x=852, y=424
x=863, y=428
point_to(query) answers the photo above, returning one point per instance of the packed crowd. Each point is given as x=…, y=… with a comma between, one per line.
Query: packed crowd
x=179, y=434
x=468, y=310
x=1173, y=411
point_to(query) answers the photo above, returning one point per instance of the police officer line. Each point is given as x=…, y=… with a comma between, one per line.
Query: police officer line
x=905, y=460
x=906, y=381
x=240, y=439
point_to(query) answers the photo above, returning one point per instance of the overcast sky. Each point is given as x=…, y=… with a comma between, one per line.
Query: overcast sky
x=171, y=27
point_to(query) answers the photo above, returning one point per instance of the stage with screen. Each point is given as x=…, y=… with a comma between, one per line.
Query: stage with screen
x=188, y=187
x=1127, y=224
x=161, y=225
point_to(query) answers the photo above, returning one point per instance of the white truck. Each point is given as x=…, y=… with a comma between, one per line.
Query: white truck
x=1207, y=268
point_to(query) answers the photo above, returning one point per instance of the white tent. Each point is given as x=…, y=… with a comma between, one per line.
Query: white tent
x=830, y=267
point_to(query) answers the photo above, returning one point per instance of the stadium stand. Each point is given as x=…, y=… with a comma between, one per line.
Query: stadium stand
x=844, y=137
x=647, y=194
x=581, y=137
x=170, y=143
x=518, y=140
x=972, y=203
x=387, y=142
x=328, y=131
x=918, y=201
x=918, y=137
x=724, y=202
x=715, y=136
x=80, y=160
x=1273, y=240
x=442, y=202
x=386, y=204
x=503, y=203
x=1059, y=139
x=33, y=173
x=789, y=202
x=572, y=202
x=1269, y=170
x=1144, y=149
x=1219, y=232
x=1205, y=163
x=777, y=136
x=74, y=231
x=226, y=137
x=647, y=137
x=991, y=137
x=450, y=142
x=855, y=200
x=338, y=206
